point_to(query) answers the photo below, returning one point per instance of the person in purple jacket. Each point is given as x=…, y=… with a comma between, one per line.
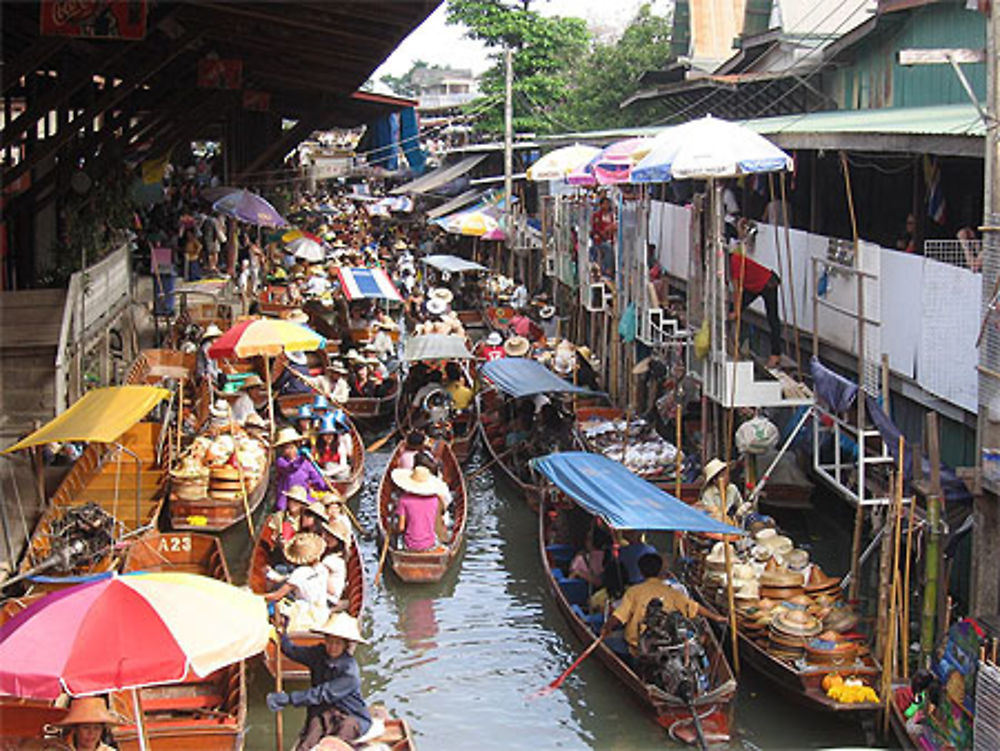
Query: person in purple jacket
x=293, y=467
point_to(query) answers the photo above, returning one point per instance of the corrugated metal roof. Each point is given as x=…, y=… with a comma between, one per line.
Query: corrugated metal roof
x=463, y=199
x=439, y=177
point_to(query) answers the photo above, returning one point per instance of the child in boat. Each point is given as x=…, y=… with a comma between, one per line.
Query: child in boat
x=419, y=510
x=334, y=445
x=292, y=467
x=281, y=526
x=306, y=584
x=334, y=704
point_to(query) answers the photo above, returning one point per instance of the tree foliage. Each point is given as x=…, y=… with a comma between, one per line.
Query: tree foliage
x=406, y=85
x=545, y=50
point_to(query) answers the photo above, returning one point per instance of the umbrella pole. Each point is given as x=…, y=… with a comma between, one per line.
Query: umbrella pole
x=243, y=479
x=270, y=397
x=279, y=720
x=140, y=725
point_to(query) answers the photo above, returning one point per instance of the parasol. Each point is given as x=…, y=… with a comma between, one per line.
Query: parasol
x=265, y=337
x=559, y=164
x=123, y=632
x=250, y=208
x=306, y=249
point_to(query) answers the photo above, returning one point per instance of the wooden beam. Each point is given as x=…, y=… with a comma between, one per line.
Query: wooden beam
x=210, y=111
x=109, y=99
x=940, y=56
x=30, y=60
x=282, y=146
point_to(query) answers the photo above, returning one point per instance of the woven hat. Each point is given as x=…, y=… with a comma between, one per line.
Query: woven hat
x=343, y=625
x=820, y=582
x=436, y=306
x=297, y=493
x=219, y=410
x=441, y=293
x=84, y=710
x=340, y=528
x=299, y=358
x=212, y=332
x=797, y=560
x=713, y=468
x=748, y=590
x=516, y=346
x=287, y=435
x=318, y=508
x=547, y=312
x=419, y=480
x=305, y=548
x=493, y=339
x=338, y=367
x=781, y=578
x=296, y=316
x=797, y=623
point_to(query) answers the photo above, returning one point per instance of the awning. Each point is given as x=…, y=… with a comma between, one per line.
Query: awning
x=520, y=376
x=100, y=416
x=367, y=284
x=440, y=176
x=452, y=264
x=436, y=347
x=462, y=199
x=624, y=500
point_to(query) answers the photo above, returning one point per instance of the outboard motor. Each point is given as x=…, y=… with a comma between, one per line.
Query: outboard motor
x=670, y=653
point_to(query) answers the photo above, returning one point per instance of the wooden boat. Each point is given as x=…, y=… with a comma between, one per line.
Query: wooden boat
x=396, y=735
x=354, y=594
x=216, y=505
x=429, y=566
x=713, y=705
x=197, y=713
x=272, y=300
x=494, y=432
x=358, y=407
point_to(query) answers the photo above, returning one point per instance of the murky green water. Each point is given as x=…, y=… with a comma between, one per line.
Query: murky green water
x=459, y=659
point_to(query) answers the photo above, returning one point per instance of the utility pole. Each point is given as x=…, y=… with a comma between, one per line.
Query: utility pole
x=508, y=148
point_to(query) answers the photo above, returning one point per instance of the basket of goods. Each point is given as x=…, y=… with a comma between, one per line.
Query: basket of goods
x=189, y=480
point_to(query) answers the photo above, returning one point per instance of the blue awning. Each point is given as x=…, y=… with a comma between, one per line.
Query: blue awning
x=624, y=500
x=520, y=376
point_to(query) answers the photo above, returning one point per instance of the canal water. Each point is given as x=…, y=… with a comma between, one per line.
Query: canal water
x=459, y=659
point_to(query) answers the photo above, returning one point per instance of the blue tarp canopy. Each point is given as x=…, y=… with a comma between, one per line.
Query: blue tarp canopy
x=624, y=500
x=452, y=264
x=519, y=376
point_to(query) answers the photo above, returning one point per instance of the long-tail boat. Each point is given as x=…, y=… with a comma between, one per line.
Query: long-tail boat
x=424, y=566
x=358, y=407
x=515, y=378
x=693, y=693
x=114, y=489
x=458, y=428
x=207, y=714
x=354, y=595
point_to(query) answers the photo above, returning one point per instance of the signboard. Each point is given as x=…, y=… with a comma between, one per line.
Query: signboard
x=94, y=19
x=256, y=101
x=218, y=73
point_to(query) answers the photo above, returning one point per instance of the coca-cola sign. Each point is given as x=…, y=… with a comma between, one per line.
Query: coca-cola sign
x=95, y=19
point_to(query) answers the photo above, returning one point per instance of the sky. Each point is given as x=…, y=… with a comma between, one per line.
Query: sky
x=437, y=43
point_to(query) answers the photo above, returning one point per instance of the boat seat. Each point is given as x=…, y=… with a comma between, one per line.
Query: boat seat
x=181, y=703
x=575, y=590
x=560, y=555
x=558, y=574
x=594, y=621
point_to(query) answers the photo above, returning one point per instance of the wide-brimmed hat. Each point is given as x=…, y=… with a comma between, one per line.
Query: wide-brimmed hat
x=299, y=358
x=820, y=582
x=516, y=346
x=436, y=306
x=400, y=244
x=219, y=410
x=419, y=480
x=493, y=339
x=781, y=579
x=304, y=548
x=296, y=316
x=797, y=623
x=318, y=508
x=797, y=559
x=340, y=528
x=343, y=625
x=385, y=325
x=84, y=710
x=338, y=367
x=547, y=312
x=287, y=435
x=297, y=493
x=713, y=468
x=441, y=293
x=212, y=332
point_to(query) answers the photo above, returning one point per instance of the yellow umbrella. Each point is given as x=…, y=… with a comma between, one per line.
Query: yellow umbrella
x=558, y=164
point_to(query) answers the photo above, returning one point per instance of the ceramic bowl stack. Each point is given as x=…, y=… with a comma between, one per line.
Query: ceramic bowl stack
x=790, y=631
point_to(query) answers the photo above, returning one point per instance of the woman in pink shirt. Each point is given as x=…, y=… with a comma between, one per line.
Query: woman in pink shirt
x=419, y=510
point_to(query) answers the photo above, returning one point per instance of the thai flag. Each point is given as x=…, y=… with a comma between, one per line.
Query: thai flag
x=937, y=207
x=364, y=283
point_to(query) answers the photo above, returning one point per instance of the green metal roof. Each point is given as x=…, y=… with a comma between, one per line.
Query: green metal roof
x=947, y=129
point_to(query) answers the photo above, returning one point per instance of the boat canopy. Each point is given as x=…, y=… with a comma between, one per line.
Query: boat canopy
x=101, y=416
x=362, y=283
x=436, y=347
x=520, y=376
x=452, y=264
x=624, y=500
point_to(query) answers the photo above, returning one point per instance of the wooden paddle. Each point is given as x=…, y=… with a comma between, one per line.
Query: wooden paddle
x=382, y=556
x=561, y=679
x=502, y=455
x=383, y=440
x=279, y=727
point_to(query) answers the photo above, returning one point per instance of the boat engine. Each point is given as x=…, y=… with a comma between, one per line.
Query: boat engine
x=670, y=653
x=81, y=536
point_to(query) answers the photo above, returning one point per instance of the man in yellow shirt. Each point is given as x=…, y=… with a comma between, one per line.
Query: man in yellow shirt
x=632, y=611
x=461, y=395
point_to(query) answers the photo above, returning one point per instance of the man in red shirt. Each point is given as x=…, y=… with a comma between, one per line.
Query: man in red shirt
x=758, y=281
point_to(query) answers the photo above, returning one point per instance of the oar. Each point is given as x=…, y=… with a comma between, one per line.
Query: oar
x=559, y=681
x=491, y=462
x=315, y=386
x=383, y=440
x=381, y=558
x=279, y=727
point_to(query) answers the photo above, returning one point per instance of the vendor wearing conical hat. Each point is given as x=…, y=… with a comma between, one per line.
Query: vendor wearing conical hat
x=334, y=704
x=87, y=722
x=709, y=500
